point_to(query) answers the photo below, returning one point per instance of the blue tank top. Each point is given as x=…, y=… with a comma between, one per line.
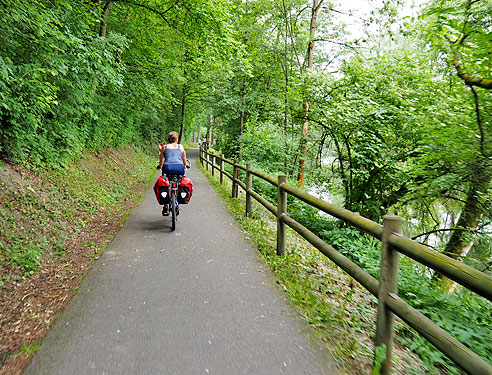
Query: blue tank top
x=173, y=155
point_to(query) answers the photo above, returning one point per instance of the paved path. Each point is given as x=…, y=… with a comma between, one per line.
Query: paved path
x=194, y=301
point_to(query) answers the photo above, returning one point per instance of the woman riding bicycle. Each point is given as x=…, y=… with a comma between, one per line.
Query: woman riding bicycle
x=174, y=156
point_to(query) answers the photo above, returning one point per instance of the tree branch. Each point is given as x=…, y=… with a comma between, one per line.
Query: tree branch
x=319, y=5
x=441, y=230
x=160, y=13
x=469, y=79
x=479, y=121
x=344, y=13
x=343, y=44
x=455, y=198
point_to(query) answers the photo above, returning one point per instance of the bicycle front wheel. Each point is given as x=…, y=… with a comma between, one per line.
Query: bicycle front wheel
x=173, y=210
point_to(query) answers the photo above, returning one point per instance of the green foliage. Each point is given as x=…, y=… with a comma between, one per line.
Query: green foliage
x=65, y=90
x=48, y=61
x=264, y=145
x=29, y=349
x=380, y=356
x=371, y=122
x=465, y=316
x=464, y=27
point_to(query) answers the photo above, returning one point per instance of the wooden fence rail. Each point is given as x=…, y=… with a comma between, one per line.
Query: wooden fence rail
x=393, y=242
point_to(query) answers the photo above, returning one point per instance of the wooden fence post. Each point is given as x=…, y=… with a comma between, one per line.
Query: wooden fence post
x=249, y=186
x=236, y=178
x=213, y=165
x=235, y=175
x=208, y=159
x=281, y=210
x=388, y=285
x=222, y=169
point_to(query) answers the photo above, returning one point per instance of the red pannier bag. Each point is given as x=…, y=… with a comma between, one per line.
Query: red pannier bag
x=162, y=191
x=185, y=190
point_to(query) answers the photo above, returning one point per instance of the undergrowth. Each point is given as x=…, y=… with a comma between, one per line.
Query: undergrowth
x=39, y=211
x=464, y=315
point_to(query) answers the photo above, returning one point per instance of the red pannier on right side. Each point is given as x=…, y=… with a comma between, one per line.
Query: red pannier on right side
x=185, y=190
x=162, y=191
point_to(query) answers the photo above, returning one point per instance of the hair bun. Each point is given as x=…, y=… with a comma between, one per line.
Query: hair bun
x=172, y=137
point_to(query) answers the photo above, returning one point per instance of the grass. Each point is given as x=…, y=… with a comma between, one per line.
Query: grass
x=39, y=212
x=29, y=349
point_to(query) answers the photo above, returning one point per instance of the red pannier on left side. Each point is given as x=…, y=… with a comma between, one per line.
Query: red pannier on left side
x=162, y=191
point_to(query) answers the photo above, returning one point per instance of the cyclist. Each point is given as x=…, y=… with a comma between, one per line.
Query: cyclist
x=174, y=156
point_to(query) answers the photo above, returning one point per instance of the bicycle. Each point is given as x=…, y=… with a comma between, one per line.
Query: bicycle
x=174, y=180
x=173, y=203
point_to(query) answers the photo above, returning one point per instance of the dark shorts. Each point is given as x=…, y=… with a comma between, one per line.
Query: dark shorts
x=173, y=169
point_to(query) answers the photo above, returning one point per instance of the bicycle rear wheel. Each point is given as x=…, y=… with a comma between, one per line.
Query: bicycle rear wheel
x=173, y=210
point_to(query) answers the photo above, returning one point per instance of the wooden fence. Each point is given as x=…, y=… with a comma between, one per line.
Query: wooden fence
x=393, y=243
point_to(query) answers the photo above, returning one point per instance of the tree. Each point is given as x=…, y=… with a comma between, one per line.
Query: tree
x=371, y=122
x=309, y=65
x=461, y=32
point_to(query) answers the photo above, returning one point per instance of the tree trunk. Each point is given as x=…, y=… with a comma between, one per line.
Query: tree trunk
x=286, y=117
x=307, y=104
x=209, y=130
x=461, y=241
x=102, y=33
x=103, y=27
x=241, y=119
x=209, y=135
x=183, y=113
x=286, y=91
x=305, y=125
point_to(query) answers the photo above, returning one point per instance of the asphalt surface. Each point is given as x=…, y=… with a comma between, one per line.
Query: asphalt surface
x=194, y=301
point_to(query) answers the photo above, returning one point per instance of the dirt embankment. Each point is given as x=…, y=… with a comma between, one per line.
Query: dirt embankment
x=53, y=225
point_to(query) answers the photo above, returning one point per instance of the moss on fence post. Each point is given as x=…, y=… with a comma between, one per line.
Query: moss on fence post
x=281, y=210
x=388, y=284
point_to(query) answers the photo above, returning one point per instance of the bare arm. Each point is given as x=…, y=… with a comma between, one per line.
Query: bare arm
x=161, y=155
x=184, y=156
